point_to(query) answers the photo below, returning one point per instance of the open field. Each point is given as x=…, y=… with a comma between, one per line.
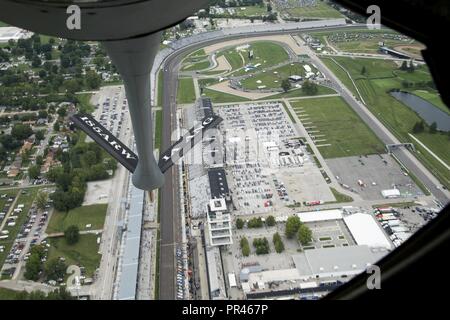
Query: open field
x=382, y=77
x=245, y=11
x=273, y=78
x=320, y=10
x=80, y=217
x=294, y=93
x=367, y=41
x=265, y=53
x=342, y=131
x=84, y=253
x=7, y=294
x=185, y=92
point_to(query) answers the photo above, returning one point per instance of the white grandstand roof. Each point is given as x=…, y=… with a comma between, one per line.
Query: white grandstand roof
x=366, y=231
x=322, y=215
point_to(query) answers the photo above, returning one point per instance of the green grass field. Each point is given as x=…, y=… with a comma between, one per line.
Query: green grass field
x=84, y=253
x=185, y=92
x=273, y=78
x=320, y=10
x=160, y=88
x=158, y=128
x=195, y=66
x=340, y=197
x=2, y=24
x=294, y=93
x=80, y=217
x=266, y=53
x=341, y=127
x=383, y=76
x=220, y=97
x=7, y=294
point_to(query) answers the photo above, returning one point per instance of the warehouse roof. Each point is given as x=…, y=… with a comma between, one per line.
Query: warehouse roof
x=366, y=231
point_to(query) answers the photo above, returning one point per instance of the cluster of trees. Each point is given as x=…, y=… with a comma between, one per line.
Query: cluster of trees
x=420, y=127
x=278, y=243
x=286, y=85
x=13, y=141
x=72, y=235
x=255, y=222
x=245, y=247
x=35, y=269
x=85, y=162
x=58, y=294
x=294, y=227
x=261, y=245
x=309, y=88
x=409, y=67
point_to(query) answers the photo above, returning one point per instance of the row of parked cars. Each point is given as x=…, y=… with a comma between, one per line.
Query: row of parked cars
x=180, y=273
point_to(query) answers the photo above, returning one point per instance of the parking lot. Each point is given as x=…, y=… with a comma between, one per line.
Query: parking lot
x=376, y=172
x=24, y=227
x=269, y=167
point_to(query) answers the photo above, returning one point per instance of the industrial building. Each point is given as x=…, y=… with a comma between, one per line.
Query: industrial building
x=365, y=231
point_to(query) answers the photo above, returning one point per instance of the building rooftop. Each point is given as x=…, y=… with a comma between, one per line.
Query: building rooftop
x=366, y=231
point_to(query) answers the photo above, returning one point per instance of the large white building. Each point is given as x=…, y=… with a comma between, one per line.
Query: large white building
x=366, y=231
x=13, y=33
x=219, y=223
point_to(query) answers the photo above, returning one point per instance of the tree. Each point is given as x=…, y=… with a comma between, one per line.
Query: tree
x=93, y=80
x=363, y=70
x=278, y=243
x=433, y=128
x=34, y=171
x=261, y=245
x=418, y=127
x=270, y=221
x=255, y=223
x=21, y=131
x=245, y=247
x=33, y=268
x=62, y=111
x=41, y=199
x=310, y=88
x=304, y=234
x=72, y=235
x=411, y=67
x=239, y=223
x=55, y=269
x=292, y=225
x=286, y=85
x=404, y=66
x=56, y=126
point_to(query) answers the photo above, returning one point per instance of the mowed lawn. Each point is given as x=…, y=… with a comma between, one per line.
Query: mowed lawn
x=340, y=126
x=80, y=217
x=273, y=78
x=186, y=91
x=84, y=253
x=319, y=10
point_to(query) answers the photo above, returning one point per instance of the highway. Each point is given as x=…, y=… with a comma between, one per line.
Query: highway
x=169, y=219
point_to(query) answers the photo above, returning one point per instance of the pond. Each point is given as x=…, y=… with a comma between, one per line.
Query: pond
x=426, y=110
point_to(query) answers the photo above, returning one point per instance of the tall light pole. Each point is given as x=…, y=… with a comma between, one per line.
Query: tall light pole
x=131, y=33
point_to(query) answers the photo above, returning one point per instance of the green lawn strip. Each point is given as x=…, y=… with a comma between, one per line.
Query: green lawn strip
x=80, y=217
x=201, y=65
x=340, y=197
x=158, y=128
x=84, y=253
x=341, y=127
x=221, y=97
x=160, y=88
x=294, y=93
x=186, y=91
